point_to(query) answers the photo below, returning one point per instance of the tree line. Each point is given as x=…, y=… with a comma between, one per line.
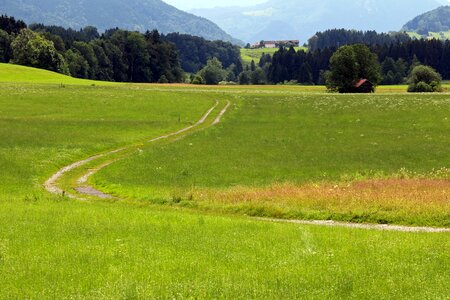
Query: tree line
x=195, y=51
x=335, y=38
x=396, y=53
x=116, y=55
x=396, y=59
x=126, y=56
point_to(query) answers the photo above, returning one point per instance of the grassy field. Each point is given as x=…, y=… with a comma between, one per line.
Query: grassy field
x=52, y=247
x=353, y=158
x=62, y=249
x=248, y=55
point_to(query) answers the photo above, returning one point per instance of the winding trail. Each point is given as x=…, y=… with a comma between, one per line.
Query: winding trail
x=88, y=190
x=83, y=188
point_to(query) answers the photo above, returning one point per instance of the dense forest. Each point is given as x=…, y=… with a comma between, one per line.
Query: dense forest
x=341, y=37
x=395, y=59
x=116, y=55
x=397, y=55
x=196, y=51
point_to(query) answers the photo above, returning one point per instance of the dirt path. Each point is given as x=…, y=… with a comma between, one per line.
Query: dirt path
x=88, y=190
x=84, y=189
x=359, y=226
x=222, y=112
x=51, y=184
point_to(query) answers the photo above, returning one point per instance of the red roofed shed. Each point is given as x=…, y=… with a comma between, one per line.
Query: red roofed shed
x=364, y=86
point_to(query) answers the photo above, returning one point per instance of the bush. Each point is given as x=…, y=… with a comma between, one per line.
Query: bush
x=423, y=87
x=163, y=79
x=424, y=79
x=227, y=83
x=291, y=82
x=258, y=77
x=198, y=79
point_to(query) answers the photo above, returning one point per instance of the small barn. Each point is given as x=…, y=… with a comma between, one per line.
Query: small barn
x=364, y=86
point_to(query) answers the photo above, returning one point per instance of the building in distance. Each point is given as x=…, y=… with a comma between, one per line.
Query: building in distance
x=276, y=44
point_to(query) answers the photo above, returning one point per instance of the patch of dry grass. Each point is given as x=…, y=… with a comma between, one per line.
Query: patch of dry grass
x=404, y=201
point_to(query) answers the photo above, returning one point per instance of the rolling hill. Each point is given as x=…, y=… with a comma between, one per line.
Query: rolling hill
x=288, y=19
x=21, y=74
x=139, y=15
x=437, y=20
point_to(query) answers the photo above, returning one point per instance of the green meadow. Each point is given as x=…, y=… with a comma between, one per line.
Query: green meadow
x=271, y=150
x=443, y=35
x=10, y=73
x=181, y=244
x=248, y=55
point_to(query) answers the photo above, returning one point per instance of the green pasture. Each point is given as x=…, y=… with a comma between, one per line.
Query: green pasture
x=301, y=139
x=10, y=73
x=247, y=55
x=444, y=35
x=63, y=249
x=53, y=247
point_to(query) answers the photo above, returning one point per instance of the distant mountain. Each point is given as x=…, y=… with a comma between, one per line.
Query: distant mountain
x=137, y=15
x=437, y=20
x=300, y=19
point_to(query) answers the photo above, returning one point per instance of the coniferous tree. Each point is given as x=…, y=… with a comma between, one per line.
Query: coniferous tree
x=252, y=66
x=11, y=25
x=5, y=46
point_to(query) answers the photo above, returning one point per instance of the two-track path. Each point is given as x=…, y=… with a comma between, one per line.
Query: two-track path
x=82, y=187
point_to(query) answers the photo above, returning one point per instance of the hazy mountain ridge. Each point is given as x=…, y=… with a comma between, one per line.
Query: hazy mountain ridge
x=130, y=14
x=288, y=19
x=437, y=20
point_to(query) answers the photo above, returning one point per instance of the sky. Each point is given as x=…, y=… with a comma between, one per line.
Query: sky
x=191, y=4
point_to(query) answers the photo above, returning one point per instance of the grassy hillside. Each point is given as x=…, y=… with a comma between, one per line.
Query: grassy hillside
x=437, y=20
x=443, y=35
x=10, y=73
x=248, y=55
x=53, y=247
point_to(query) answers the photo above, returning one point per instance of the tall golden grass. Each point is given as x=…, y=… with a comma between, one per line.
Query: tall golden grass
x=411, y=201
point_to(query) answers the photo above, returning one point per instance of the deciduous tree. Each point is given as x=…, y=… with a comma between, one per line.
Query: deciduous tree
x=350, y=64
x=31, y=49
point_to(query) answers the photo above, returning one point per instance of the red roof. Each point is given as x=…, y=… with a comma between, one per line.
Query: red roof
x=277, y=42
x=360, y=83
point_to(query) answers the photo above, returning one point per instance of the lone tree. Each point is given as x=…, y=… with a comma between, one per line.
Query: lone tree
x=350, y=64
x=212, y=73
x=424, y=79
